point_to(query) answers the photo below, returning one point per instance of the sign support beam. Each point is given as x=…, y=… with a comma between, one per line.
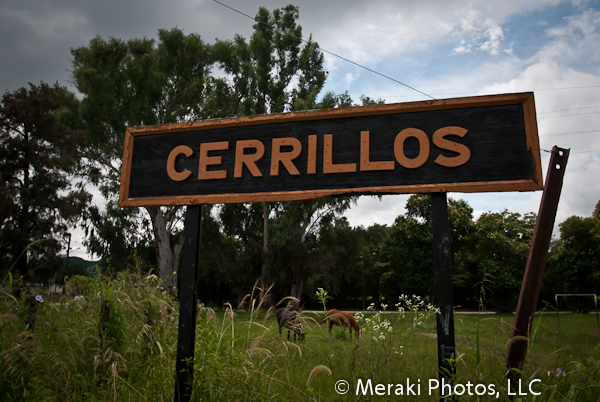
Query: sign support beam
x=442, y=259
x=188, y=304
x=536, y=262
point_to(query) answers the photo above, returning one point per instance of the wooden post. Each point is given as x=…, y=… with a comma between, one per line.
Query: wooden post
x=536, y=262
x=443, y=289
x=188, y=297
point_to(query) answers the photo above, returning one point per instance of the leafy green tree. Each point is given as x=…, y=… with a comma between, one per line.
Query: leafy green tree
x=243, y=223
x=498, y=256
x=330, y=100
x=295, y=228
x=366, y=101
x=574, y=259
x=263, y=69
x=406, y=255
x=39, y=140
x=277, y=71
x=133, y=83
x=370, y=260
x=406, y=262
x=220, y=262
x=335, y=262
x=113, y=232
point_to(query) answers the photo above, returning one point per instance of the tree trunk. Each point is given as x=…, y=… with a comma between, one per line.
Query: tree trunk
x=297, y=285
x=167, y=256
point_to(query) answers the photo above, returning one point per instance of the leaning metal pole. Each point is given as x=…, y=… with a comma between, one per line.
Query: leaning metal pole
x=536, y=262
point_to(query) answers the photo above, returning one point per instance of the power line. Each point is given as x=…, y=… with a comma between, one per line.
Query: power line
x=570, y=133
x=585, y=152
x=566, y=110
x=329, y=52
x=557, y=89
x=474, y=93
x=544, y=155
x=568, y=115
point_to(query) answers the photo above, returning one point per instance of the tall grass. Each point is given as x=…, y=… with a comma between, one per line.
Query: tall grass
x=118, y=343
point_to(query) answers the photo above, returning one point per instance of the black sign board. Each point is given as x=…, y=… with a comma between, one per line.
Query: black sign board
x=476, y=144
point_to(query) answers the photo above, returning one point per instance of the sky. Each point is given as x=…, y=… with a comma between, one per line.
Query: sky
x=441, y=48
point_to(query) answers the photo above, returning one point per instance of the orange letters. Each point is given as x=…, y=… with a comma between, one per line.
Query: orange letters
x=288, y=157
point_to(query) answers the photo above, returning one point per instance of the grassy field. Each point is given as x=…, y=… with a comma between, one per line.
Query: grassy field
x=408, y=355
x=118, y=343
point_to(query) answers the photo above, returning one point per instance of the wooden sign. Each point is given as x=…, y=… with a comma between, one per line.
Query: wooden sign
x=475, y=144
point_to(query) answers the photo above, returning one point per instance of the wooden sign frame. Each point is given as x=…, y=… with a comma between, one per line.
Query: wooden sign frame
x=518, y=109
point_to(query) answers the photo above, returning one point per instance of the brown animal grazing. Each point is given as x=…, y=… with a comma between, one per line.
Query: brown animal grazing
x=343, y=319
x=289, y=319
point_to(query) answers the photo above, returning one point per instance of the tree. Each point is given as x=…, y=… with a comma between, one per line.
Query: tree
x=406, y=255
x=335, y=262
x=406, y=265
x=498, y=255
x=243, y=223
x=330, y=100
x=38, y=156
x=573, y=263
x=295, y=229
x=221, y=268
x=263, y=69
x=133, y=83
x=262, y=72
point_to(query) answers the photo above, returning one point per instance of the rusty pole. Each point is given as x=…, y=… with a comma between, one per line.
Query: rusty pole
x=536, y=262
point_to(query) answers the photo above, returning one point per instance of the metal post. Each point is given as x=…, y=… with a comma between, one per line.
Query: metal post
x=188, y=295
x=443, y=289
x=557, y=311
x=597, y=319
x=536, y=262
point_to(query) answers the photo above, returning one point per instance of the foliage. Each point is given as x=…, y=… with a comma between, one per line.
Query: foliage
x=38, y=155
x=498, y=251
x=133, y=83
x=300, y=244
x=74, y=353
x=488, y=256
x=262, y=70
x=406, y=256
x=240, y=355
x=238, y=268
x=573, y=262
x=323, y=297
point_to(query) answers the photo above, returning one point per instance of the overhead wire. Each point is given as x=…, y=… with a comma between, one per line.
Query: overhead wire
x=567, y=115
x=328, y=52
x=566, y=110
x=570, y=133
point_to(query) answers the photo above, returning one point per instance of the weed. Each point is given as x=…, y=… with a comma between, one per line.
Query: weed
x=240, y=355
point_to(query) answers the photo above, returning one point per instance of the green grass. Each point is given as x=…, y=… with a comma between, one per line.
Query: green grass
x=80, y=351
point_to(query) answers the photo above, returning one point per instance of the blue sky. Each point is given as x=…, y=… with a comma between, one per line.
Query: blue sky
x=446, y=49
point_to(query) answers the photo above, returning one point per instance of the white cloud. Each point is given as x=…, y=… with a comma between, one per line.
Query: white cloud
x=576, y=41
x=350, y=77
x=564, y=95
x=478, y=33
x=370, y=34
